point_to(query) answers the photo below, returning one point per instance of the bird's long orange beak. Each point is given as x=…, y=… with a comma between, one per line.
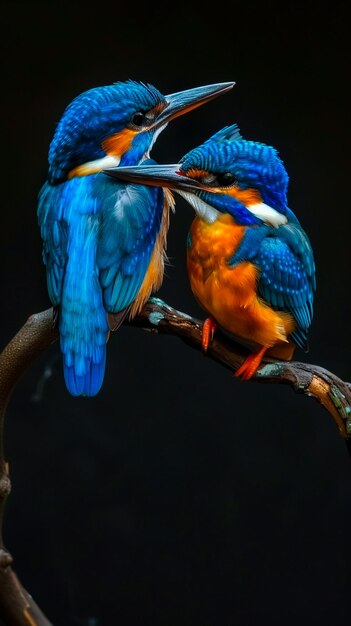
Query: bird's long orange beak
x=184, y=101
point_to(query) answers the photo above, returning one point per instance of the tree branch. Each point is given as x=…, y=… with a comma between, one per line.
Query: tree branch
x=330, y=391
x=17, y=608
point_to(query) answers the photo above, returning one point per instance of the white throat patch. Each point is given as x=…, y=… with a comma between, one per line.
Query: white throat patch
x=204, y=210
x=268, y=215
x=93, y=167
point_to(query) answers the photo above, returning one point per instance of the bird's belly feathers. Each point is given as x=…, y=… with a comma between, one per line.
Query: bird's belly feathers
x=229, y=294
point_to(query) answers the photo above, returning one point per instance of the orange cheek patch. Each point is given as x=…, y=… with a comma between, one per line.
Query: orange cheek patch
x=246, y=196
x=118, y=144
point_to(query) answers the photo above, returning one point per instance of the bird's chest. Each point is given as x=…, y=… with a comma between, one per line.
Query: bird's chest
x=211, y=245
x=214, y=283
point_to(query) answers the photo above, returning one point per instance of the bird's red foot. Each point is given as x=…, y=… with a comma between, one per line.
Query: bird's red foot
x=250, y=365
x=208, y=330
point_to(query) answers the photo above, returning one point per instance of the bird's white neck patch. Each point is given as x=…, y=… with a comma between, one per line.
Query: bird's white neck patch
x=93, y=167
x=263, y=211
x=268, y=215
x=204, y=210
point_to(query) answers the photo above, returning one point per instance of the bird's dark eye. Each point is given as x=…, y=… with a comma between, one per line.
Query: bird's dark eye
x=218, y=180
x=226, y=179
x=138, y=119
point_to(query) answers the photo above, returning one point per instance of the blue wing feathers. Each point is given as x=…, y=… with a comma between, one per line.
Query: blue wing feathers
x=54, y=236
x=69, y=222
x=287, y=276
x=127, y=237
x=287, y=279
x=296, y=238
x=98, y=237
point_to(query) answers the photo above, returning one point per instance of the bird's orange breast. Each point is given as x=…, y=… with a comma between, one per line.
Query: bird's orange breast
x=229, y=294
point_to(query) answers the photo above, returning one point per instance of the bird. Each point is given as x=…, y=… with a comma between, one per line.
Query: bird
x=103, y=241
x=250, y=264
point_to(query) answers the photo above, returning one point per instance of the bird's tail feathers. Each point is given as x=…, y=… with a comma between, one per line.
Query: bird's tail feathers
x=83, y=336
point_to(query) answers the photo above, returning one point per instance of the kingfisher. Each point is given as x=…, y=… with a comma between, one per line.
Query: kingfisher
x=104, y=241
x=250, y=263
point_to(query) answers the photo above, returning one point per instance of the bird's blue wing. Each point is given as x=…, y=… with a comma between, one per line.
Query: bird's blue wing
x=287, y=276
x=54, y=235
x=130, y=221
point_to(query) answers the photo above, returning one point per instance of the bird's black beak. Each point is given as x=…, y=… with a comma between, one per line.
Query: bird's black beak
x=156, y=176
x=184, y=101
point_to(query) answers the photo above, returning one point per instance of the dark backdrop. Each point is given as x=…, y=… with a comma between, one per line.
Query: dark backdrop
x=180, y=496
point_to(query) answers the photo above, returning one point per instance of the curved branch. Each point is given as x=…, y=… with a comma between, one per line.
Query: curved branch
x=17, y=608
x=330, y=391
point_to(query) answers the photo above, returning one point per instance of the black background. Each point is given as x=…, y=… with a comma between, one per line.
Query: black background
x=179, y=495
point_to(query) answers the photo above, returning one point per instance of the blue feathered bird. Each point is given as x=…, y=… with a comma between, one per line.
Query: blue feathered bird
x=104, y=241
x=250, y=263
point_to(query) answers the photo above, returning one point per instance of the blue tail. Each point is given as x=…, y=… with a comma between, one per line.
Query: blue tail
x=83, y=320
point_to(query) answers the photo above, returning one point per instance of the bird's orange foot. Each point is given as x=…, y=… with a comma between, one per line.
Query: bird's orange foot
x=250, y=365
x=208, y=330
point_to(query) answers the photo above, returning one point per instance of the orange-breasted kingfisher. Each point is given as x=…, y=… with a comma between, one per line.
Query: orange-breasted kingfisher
x=249, y=261
x=104, y=241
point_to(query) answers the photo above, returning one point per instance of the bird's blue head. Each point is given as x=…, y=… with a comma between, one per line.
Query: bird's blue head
x=117, y=125
x=225, y=174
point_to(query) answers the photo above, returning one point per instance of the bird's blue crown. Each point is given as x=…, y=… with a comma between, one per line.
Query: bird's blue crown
x=90, y=118
x=254, y=164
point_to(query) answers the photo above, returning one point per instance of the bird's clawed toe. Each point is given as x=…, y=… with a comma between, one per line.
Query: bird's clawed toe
x=249, y=368
x=208, y=330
